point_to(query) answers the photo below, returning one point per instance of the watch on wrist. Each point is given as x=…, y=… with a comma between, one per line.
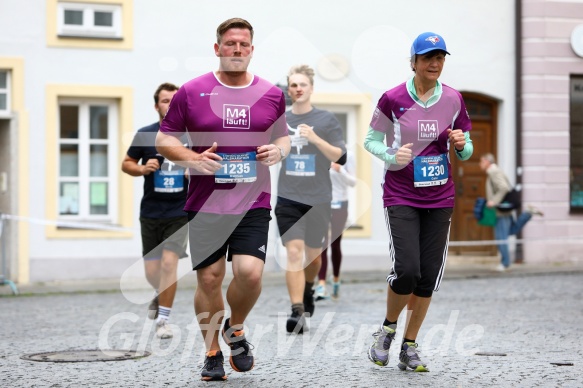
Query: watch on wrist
x=281, y=153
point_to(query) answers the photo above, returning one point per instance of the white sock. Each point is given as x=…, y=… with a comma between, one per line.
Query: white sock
x=163, y=313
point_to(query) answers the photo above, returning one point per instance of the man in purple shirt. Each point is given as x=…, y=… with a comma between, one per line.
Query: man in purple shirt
x=420, y=121
x=236, y=125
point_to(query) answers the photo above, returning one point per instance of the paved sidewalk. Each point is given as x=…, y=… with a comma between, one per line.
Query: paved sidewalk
x=457, y=268
x=531, y=314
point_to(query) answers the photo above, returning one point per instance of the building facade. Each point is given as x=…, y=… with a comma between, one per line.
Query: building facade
x=552, y=126
x=77, y=79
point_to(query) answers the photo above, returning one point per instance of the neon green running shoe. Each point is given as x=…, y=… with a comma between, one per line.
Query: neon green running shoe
x=379, y=350
x=409, y=358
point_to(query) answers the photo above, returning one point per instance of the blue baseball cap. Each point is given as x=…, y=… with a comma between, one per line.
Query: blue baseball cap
x=426, y=42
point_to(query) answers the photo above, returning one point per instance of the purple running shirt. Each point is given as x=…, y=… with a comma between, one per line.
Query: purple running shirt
x=425, y=182
x=238, y=119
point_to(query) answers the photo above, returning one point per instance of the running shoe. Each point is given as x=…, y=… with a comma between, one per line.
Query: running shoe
x=296, y=323
x=163, y=330
x=320, y=293
x=153, y=308
x=409, y=358
x=534, y=211
x=309, y=305
x=241, y=358
x=213, y=366
x=379, y=350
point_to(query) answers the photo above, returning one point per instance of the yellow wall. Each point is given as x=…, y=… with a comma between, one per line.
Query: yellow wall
x=124, y=97
x=126, y=43
x=16, y=68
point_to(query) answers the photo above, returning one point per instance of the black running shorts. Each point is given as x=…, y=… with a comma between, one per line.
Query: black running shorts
x=303, y=222
x=214, y=236
x=163, y=233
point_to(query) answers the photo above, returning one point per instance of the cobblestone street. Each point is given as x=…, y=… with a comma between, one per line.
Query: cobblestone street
x=534, y=319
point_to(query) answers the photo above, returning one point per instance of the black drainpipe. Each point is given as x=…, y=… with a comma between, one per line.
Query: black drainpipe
x=518, y=85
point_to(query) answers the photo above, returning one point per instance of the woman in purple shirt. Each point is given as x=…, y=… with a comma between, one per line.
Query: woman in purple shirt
x=413, y=128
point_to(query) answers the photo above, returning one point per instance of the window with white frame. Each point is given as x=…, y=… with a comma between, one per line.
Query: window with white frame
x=4, y=92
x=89, y=20
x=87, y=151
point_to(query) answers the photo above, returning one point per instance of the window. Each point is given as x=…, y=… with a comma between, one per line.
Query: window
x=479, y=110
x=89, y=20
x=4, y=92
x=576, y=146
x=87, y=150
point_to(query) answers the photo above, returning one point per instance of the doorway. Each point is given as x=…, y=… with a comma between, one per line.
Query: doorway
x=470, y=180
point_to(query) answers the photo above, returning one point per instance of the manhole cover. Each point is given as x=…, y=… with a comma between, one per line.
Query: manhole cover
x=490, y=354
x=85, y=355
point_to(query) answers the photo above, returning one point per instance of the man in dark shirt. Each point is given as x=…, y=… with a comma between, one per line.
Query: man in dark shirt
x=304, y=192
x=162, y=218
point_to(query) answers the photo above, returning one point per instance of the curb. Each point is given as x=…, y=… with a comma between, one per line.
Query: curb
x=452, y=272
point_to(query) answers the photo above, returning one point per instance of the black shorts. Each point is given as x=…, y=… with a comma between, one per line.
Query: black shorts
x=213, y=236
x=303, y=222
x=163, y=233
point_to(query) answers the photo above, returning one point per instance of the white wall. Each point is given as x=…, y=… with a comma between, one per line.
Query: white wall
x=173, y=41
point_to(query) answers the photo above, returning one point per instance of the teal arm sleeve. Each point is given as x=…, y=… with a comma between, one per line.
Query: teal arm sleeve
x=468, y=150
x=374, y=143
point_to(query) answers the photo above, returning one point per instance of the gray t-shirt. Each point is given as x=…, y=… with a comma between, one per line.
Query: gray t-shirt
x=304, y=175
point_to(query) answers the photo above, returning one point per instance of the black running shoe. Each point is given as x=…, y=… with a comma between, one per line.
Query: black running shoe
x=309, y=305
x=213, y=367
x=241, y=358
x=296, y=323
x=153, y=308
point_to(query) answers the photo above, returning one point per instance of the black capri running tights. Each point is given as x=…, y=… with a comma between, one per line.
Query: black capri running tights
x=418, y=239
